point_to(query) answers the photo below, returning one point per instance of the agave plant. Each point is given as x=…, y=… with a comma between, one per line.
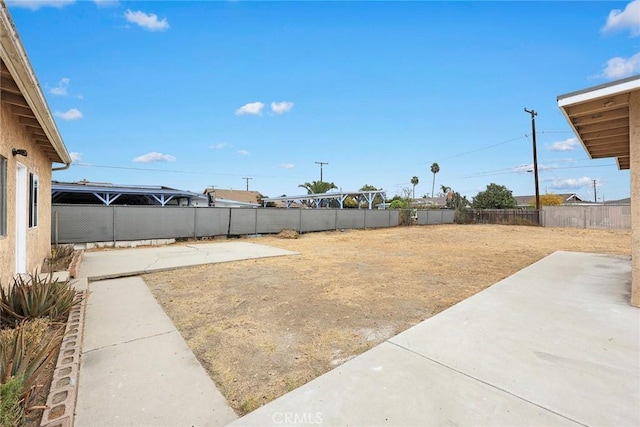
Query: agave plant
x=33, y=297
x=25, y=352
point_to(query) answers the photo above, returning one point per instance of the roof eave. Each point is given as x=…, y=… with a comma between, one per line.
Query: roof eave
x=595, y=93
x=575, y=131
x=608, y=89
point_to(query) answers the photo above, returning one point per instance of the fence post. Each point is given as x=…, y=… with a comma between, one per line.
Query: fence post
x=195, y=221
x=55, y=224
x=113, y=211
x=256, y=222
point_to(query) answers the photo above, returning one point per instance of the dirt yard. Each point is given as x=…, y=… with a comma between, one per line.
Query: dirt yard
x=264, y=327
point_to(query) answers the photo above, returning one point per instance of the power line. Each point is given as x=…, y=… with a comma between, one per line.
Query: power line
x=91, y=165
x=487, y=147
x=482, y=148
x=511, y=171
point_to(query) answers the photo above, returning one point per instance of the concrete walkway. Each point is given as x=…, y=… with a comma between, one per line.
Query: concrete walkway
x=555, y=344
x=110, y=264
x=136, y=369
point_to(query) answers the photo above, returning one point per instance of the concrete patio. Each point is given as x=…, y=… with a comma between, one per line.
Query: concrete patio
x=555, y=344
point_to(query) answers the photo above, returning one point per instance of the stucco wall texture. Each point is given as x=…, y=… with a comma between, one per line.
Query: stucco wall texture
x=14, y=135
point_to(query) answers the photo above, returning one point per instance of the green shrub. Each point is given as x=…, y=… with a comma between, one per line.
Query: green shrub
x=399, y=204
x=460, y=216
x=405, y=217
x=34, y=297
x=11, y=409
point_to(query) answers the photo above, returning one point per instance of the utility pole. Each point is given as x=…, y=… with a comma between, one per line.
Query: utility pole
x=535, y=155
x=321, y=163
x=595, y=200
x=247, y=179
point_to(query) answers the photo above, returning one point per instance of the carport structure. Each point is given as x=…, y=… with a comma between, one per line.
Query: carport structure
x=606, y=120
x=322, y=199
x=108, y=194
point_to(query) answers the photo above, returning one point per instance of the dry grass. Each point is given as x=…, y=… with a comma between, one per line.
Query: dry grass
x=264, y=327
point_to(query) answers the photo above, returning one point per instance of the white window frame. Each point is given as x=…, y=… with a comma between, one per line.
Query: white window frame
x=33, y=200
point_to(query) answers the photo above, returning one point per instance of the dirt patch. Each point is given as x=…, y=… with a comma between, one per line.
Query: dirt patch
x=288, y=234
x=60, y=259
x=264, y=327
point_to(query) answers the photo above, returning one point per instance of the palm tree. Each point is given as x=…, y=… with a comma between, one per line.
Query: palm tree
x=435, y=168
x=317, y=187
x=414, y=182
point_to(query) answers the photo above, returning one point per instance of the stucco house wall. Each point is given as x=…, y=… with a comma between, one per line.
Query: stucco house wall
x=13, y=135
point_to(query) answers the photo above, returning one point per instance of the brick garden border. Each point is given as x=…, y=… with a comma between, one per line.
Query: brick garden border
x=61, y=401
x=74, y=266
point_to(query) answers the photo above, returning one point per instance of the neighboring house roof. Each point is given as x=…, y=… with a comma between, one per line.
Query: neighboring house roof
x=226, y=203
x=234, y=195
x=85, y=192
x=529, y=200
x=426, y=201
x=599, y=116
x=625, y=201
x=19, y=87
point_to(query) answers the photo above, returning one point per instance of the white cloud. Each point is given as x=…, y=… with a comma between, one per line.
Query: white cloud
x=106, y=3
x=252, y=108
x=154, y=157
x=618, y=67
x=147, y=21
x=629, y=18
x=287, y=166
x=566, y=145
x=61, y=89
x=220, y=146
x=72, y=114
x=75, y=157
x=572, y=183
x=281, y=107
x=37, y=4
x=243, y=152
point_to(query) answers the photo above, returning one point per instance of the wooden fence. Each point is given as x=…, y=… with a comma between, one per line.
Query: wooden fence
x=502, y=216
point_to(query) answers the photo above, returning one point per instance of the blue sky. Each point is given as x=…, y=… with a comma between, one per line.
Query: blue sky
x=190, y=94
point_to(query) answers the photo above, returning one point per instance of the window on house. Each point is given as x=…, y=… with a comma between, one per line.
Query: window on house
x=3, y=196
x=33, y=200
